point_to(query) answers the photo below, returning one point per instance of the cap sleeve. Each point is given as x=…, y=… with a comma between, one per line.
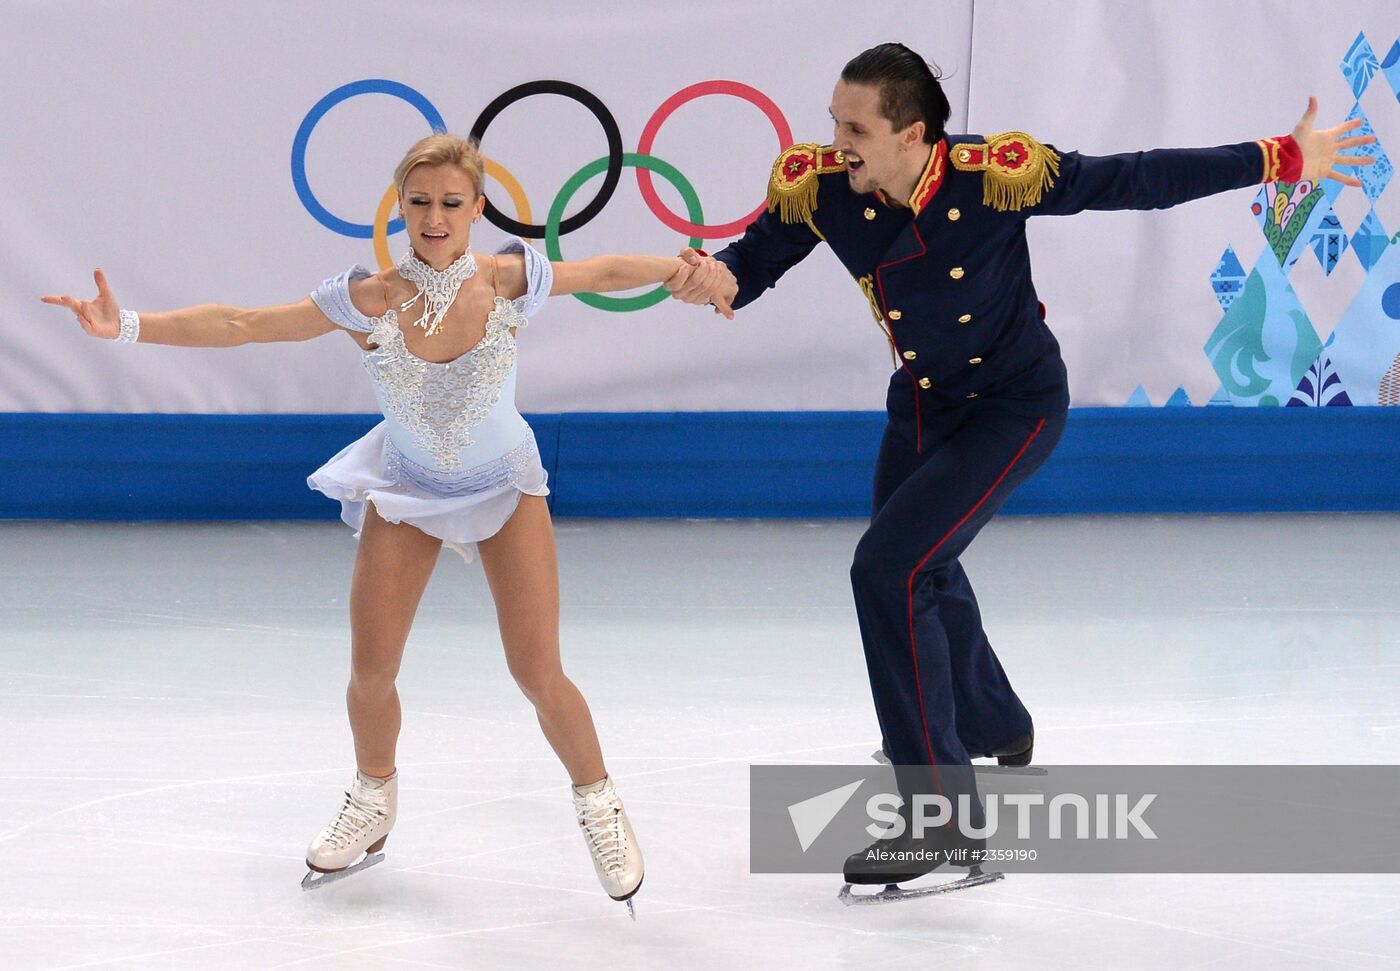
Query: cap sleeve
x=539, y=276
x=333, y=297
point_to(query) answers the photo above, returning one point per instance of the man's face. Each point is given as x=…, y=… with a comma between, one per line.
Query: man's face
x=865, y=137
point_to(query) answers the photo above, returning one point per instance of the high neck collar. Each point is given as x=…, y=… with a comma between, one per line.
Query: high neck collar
x=438, y=288
x=930, y=181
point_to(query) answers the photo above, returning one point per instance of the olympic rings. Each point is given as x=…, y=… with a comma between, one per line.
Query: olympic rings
x=742, y=91
x=346, y=91
x=556, y=225
x=633, y=160
x=614, y=157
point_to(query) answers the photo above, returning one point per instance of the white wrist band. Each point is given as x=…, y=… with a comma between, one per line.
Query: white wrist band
x=131, y=327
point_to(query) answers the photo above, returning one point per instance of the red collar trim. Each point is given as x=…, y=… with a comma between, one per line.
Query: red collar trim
x=932, y=180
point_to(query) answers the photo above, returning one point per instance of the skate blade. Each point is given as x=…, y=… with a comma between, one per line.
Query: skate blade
x=315, y=880
x=893, y=892
x=628, y=900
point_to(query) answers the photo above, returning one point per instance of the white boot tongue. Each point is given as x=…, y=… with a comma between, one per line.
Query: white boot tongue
x=438, y=288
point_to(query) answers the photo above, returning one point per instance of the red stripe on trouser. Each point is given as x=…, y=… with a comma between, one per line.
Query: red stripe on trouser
x=913, y=649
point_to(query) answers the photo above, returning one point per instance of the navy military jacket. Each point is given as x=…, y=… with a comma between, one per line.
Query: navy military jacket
x=948, y=274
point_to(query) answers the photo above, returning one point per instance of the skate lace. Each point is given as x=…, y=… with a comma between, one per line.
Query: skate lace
x=358, y=814
x=600, y=815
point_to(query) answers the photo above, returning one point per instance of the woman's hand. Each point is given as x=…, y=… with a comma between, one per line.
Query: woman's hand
x=207, y=325
x=100, y=317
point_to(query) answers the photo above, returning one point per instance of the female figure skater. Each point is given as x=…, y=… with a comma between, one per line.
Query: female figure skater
x=451, y=463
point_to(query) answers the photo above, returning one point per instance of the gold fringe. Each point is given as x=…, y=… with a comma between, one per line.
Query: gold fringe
x=794, y=203
x=794, y=198
x=1015, y=192
x=1010, y=189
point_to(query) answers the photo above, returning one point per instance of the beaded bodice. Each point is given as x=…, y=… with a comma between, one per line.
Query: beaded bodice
x=432, y=408
x=439, y=404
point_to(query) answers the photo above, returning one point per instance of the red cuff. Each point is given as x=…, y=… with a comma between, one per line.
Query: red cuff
x=1283, y=159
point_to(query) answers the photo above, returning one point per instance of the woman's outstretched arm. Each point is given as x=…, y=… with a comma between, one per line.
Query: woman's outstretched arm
x=601, y=274
x=207, y=325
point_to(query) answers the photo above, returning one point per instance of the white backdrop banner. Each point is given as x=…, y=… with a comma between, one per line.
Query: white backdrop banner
x=1215, y=301
x=239, y=153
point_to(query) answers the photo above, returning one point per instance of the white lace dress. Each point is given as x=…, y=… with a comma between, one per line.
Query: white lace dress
x=452, y=455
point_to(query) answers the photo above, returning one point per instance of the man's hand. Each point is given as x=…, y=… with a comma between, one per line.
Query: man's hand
x=708, y=281
x=1322, y=148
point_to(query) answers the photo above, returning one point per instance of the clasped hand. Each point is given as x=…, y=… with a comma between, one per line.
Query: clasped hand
x=704, y=280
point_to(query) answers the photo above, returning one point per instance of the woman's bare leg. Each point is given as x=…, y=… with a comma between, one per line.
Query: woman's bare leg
x=523, y=572
x=391, y=571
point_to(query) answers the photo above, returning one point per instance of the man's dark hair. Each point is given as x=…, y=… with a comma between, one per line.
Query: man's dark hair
x=909, y=90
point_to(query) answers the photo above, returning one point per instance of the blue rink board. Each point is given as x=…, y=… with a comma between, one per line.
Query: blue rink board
x=708, y=464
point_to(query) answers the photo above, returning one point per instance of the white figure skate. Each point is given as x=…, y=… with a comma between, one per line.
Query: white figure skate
x=360, y=827
x=616, y=857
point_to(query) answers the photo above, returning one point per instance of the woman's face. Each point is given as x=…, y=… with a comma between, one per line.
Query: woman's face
x=439, y=205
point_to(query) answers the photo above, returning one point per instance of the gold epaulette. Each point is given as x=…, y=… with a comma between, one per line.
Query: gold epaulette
x=792, y=192
x=1016, y=169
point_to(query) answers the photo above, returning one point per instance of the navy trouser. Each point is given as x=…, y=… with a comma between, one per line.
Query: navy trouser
x=940, y=693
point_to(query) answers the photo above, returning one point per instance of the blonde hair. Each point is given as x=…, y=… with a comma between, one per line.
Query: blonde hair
x=443, y=149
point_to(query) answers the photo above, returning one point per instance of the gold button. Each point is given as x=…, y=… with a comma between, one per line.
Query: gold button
x=895, y=315
x=964, y=155
x=870, y=214
x=925, y=383
x=965, y=318
x=909, y=355
x=956, y=273
x=974, y=360
x=954, y=214
x=840, y=157
x=972, y=394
